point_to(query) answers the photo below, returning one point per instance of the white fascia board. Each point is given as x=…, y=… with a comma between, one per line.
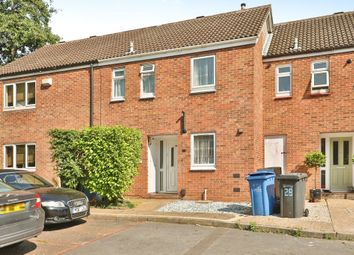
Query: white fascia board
x=148, y=56
x=308, y=55
x=181, y=51
x=11, y=77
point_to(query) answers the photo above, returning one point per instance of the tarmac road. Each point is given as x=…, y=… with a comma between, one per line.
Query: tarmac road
x=98, y=237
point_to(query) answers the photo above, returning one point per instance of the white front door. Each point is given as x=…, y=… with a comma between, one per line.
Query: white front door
x=168, y=165
x=275, y=152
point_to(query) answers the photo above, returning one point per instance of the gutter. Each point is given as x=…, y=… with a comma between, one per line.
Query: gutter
x=91, y=94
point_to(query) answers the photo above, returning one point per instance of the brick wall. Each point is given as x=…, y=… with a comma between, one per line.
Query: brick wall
x=222, y=112
x=63, y=105
x=303, y=117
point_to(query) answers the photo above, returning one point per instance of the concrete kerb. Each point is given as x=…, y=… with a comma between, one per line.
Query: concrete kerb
x=222, y=223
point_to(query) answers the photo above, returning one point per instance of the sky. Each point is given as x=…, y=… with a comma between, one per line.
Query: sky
x=77, y=19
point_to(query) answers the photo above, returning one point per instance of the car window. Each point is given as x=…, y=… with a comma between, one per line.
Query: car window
x=4, y=187
x=24, y=181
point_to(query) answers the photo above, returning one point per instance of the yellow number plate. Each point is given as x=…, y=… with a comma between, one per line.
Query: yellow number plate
x=5, y=209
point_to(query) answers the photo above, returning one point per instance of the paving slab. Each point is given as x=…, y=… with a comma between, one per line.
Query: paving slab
x=342, y=215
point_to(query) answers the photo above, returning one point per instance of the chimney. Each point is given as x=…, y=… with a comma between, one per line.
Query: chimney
x=243, y=6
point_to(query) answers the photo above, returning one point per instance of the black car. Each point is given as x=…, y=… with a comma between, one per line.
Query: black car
x=60, y=204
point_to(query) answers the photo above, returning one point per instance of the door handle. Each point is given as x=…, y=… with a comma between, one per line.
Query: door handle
x=283, y=152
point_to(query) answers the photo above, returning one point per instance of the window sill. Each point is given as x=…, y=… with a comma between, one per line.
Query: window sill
x=203, y=90
x=19, y=108
x=280, y=97
x=320, y=92
x=146, y=97
x=202, y=168
x=118, y=99
x=30, y=169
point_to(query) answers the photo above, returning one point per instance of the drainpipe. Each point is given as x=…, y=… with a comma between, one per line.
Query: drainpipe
x=91, y=95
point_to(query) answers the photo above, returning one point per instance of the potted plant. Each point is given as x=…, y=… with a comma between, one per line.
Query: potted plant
x=315, y=159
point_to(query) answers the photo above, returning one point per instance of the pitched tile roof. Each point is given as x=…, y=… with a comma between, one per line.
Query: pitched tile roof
x=316, y=34
x=193, y=32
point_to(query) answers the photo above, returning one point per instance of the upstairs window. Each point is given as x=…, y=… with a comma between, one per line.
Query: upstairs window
x=118, y=85
x=20, y=156
x=320, y=75
x=283, y=80
x=203, y=74
x=147, y=73
x=20, y=95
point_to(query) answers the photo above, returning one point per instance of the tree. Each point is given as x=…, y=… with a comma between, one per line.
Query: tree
x=24, y=27
x=315, y=159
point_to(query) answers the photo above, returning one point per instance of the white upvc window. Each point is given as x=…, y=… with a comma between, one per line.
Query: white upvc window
x=118, y=84
x=283, y=80
x=19, y=95
x=20, y=156
x=320, y=75
x=203, y=74
x=203, y=151
x=147, y=74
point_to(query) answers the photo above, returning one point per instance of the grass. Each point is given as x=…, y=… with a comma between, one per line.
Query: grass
x=253, y=227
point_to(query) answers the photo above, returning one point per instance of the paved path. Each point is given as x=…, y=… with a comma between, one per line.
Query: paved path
x=107, y=237
x=342, y=214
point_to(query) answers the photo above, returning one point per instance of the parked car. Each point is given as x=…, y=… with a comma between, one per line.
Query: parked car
x=21, y=215
x=60, y=204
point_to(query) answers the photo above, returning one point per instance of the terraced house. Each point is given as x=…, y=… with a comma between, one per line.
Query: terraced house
x=216, y=97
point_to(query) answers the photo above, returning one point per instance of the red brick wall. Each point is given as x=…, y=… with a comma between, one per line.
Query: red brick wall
x=66, y=105
x=63, y=105
x=222, y=112
x=302, y=118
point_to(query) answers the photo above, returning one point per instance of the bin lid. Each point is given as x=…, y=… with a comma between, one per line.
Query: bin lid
x=292, y=176
x=260, y=175
x=276, y=170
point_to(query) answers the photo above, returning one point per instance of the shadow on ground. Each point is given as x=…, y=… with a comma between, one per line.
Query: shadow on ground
x=54, y=227
x=19, y=249
x=237, y=208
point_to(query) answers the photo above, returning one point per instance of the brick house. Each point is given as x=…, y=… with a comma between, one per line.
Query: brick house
x=215, y=97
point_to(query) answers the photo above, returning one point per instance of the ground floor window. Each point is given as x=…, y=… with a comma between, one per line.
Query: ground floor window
x=20, y=156
x=203, y=151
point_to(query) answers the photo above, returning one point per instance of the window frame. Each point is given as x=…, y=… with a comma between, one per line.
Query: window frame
x=203, y=88
x=114, y=78
x=14, y=107
x=319, y=71
x=142, y=72
x=14, y=156
x=278, y=75
x=202, y=167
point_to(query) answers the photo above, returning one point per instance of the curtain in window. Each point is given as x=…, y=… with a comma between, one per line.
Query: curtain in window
x=9, y=156
x=148, y=82
x=20, y=156
x=20, y=94
x=31, y=93
x=31, y=156
x=119, y=88
x=204, y=149
x=203, y=72
x=9, y=96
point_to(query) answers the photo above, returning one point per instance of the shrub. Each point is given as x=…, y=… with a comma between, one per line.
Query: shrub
x=65, y=156
x=104, y=160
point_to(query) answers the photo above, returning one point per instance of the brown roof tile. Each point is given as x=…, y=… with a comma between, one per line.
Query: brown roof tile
x=316, y=34
x=200, y=31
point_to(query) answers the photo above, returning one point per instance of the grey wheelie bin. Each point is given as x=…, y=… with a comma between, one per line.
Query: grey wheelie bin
x=292, y=195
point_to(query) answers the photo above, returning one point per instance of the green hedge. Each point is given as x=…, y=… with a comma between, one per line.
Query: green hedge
x=104, y=160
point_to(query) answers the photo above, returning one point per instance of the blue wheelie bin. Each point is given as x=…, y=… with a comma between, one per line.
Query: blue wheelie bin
x=262, y=192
